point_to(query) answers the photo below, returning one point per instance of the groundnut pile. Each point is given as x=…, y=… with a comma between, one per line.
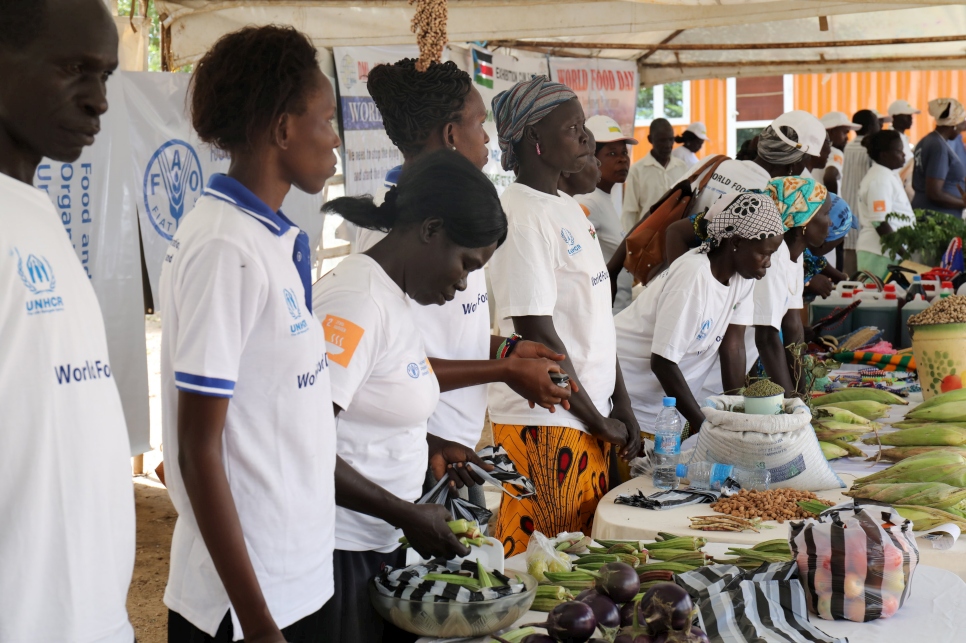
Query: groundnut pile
x=951, y=310
x=774, y=504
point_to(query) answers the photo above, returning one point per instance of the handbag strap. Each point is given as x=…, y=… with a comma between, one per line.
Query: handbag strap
x=708, y=171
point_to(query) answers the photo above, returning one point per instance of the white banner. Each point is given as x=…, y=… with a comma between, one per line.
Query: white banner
x=492, y=74
x=94, y=198
x=369, y=153
x=171, y=166
x=603, y=86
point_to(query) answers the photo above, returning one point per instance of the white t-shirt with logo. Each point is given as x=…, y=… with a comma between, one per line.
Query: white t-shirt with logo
x=780, y=290
x=237, y=325
x=741, y=176
x=457, y=330
x=605, y=219
x=682, y=316
x=551, y=265
x=880, y=194
x=67, y=540
x=384, y=384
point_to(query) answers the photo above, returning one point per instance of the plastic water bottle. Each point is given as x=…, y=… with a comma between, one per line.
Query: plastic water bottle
x=667, y=445
x=915, y=289
x=712, y=475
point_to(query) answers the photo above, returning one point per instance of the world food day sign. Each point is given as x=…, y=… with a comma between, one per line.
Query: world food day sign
x=603, y=86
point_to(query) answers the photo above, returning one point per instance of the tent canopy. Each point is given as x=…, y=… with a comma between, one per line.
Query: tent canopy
x=671, y=40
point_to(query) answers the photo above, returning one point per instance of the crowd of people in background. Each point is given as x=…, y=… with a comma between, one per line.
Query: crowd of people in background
x=302, y=421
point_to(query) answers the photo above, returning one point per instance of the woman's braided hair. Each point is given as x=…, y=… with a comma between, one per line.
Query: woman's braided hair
x=415, y=103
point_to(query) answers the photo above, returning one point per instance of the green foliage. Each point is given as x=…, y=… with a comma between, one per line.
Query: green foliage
x=645, y=104
x=674, y=100
x=929, y=237
x=154, y=34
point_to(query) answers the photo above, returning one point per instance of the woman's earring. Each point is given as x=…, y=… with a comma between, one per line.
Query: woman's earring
x=804, y=229
x=538, y=149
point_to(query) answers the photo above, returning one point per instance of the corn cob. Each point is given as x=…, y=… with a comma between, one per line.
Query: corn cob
x=909, y=424
x=925, y=424
x=548, y=597
x=923, y=494
x=839, y=415
x=856, y=429
x=901, y=453
x=828, y=435
x=911, y=465
x=922, y=437
x=948, y=412
x=859, y=394
x=852, y=450
x=831, y=451
x=926, y=518
x=957, y=395
x=865, y=408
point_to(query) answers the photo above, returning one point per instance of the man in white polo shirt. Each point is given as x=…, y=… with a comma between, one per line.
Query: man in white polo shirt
x=67, y=542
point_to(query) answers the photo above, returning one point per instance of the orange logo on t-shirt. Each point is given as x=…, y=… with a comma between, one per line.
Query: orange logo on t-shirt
x=878, y=206
x=342, y=337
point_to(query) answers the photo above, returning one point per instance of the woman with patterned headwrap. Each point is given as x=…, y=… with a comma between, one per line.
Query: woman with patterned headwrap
x=550, y=285
x=804, y=207
x=705, y=303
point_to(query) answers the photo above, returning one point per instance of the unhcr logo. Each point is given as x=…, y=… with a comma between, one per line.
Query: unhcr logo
x=37, y=276
x=173, y=181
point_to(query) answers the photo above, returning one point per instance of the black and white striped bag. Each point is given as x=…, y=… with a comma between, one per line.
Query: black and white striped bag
x=766, y=605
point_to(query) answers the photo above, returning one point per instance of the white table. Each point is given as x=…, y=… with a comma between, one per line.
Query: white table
x=930, y=615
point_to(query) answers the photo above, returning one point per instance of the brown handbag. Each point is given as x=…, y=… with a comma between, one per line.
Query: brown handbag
x=645, y=243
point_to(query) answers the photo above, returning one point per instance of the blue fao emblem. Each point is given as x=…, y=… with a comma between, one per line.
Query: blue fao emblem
x=36, y=273
x=173, y=181
x=292, y=303
x=413, y=370
x=567, y=236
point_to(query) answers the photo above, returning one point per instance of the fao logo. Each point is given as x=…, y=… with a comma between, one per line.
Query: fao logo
x=173, y=181
x=567, y=236
x=292, y=303
x=413, y=370
x=37, y=274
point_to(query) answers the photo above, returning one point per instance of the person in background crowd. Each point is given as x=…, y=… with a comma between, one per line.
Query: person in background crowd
x=957, y=143
x=856, y=164
x=884, y=119
x=748, y=150
x=444, y=220
x=902, y=112
x=615, y=161
x=424, y=112
x=881, y=194
x=583, y=182
x=838, y=126
x=691, y=141
x=669, y=338
x=804, y=208
x=652, y=176
x=820, y=275
x=551, y=285
x=67, y=543
x=781, y=153
x=938, y=177
x=815, y=165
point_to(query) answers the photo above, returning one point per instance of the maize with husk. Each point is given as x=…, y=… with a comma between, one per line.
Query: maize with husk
x=924, y=494
x=915, y=463
x=926, y=436
x=836, y=414
x=865, y=408
x=828, y=434
x=859, y=394
x=957, y=395
x=855, y=429
x=905, y=425
x=831, y=451
x=948, y=412
x=898, y=454
x=852, y=450
x=926, y=518
x=951, y=474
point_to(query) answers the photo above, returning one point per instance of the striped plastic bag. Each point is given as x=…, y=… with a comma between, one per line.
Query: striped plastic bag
x=855, y=561
x=766, y=605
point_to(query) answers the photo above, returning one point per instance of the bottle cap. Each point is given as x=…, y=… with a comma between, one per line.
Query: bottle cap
x=847, y=294
x=670, y=401
x=947, y=284
x=890, y=296
x=889, y=288
x=871, y=287
x=916, y=278
x=681, y=471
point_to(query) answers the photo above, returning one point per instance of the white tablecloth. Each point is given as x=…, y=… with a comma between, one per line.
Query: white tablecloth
x=930, y=615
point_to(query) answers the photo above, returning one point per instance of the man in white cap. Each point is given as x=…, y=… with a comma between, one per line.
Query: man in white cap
x=839, y=126
x=902, y=112
x=857, y=164
x=652, y=176
x=691, y=140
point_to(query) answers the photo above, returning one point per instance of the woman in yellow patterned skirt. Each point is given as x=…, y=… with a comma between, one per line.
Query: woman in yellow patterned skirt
x=551, y=285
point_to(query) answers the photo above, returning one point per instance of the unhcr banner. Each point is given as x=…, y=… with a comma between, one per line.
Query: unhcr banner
x=493, y=73
x=603, y=86
x=93, y=196
x=369, y=153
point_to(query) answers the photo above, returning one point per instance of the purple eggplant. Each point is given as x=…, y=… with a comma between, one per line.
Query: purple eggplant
x=605, y=609
x=666, y=606
x=571, y=622
x=619, y=581
x=627, y=613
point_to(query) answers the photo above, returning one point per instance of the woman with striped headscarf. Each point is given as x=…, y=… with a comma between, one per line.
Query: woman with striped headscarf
x=551, y=285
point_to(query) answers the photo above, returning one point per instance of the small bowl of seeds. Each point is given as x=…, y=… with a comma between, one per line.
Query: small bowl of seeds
x=764, y=397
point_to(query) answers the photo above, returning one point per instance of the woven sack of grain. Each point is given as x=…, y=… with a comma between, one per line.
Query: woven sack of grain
x=784, y=444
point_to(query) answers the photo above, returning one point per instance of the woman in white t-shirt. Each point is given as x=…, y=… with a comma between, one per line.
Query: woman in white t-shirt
x=444, y=220
x=551, y=285
x=248, y=429
x=669, y=338
x=881, y=193
x=778, y=297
